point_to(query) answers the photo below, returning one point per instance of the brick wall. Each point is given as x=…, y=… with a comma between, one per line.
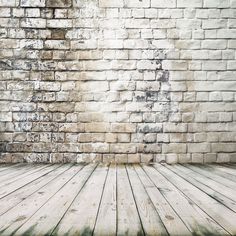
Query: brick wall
x=117, y=80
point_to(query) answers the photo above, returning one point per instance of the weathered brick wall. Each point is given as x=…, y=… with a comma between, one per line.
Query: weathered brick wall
x=117, y=80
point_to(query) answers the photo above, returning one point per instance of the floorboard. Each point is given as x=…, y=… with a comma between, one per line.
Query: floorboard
x=14, y=198
x=213, y=211
x=106, y=219
x=80, y=219
x=216, y=169
x=128, y=220
x=217, y=178
x=194, y=217
x=226, y=169
x=102, y=200
x=5, y=167
x=173, y=223
x=181, y=171
x=151, y=221
x=42, y=221
x=213, y=183
x=17, y=216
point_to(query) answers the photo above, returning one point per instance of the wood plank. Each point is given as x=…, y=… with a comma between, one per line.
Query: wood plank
x=220, y=188
x=215, y=210
x=219, y=179
x=81, y=217
x=218, y=171
x=106, y=220
x=230, y=166
x=14, y=218
x=20, y=182
x=16, y=171
x=4, y=167
x=12, y=199
x=151, y=221
x=197, y=221
x=9, y=168
x=43, y=222
x=128, y=220
x=27, y=173
x=224, y=169
x=184, y=173
x=173, y=223
x=56, y=200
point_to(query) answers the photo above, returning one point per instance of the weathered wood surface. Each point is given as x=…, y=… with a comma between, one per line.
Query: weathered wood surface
x=117, y=199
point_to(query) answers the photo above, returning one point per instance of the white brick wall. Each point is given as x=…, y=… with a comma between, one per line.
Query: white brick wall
x=118, y=81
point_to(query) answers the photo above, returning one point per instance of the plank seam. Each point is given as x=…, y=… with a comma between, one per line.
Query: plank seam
x=73, y=200
x=194, y=201
x=141, y=223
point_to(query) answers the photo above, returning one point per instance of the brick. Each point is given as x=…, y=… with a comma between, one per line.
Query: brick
x=7, y=3
x=197, y=158
x=137, y=23
x=32, y=3
x=112, y=3
x=149, y=128
x=134, y=158
x=59, y=23
x=95, y=148
x=97, y=127
x=223, y=147
x=231, y=65
x=170, y=127
x=162, y=24
x=226, y=33
x=108, y=158
x=174, y=148
x=189, y=4
x=146, y=158
x=5, y=116
x=5, y=12
x=210, y=158
x=184, y=158
x=33, y=23
x=121, y=158
x=137, y=3
x=233, y=3
x=130, y=43
x=214, y=44
x=232, y=158
x=216, y=3
x=57, y=44
x=9, y=43
x=32, y=12
x=31, y=44
x=171, y=158
x=188, y=24
x=223, y=158
x=214, y=65
x=174, y=65
x=123, y=148
x=113, y=44
x=61, y=107
x=163, y=4
x=92, y=86
x=214, y=24
x=58, y=3
x=199, y=147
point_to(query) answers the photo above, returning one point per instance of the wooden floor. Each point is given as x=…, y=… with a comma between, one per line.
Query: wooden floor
x=117, y=200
